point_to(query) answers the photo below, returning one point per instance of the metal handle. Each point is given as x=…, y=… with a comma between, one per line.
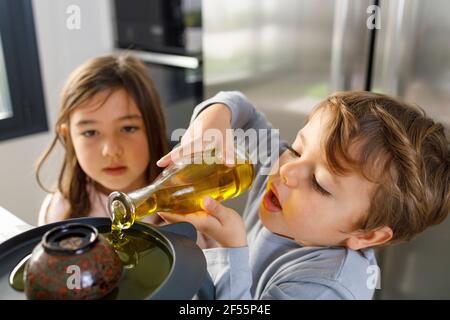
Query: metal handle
x=171, y=60
x=397, y=42
x=349, y=45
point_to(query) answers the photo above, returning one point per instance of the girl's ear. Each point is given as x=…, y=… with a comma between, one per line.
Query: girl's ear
x=369, y=239
x=63, y=130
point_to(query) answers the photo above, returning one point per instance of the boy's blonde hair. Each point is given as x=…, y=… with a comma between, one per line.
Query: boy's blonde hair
x=400, y=149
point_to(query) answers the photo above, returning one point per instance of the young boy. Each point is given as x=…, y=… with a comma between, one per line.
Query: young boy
x=366, y=170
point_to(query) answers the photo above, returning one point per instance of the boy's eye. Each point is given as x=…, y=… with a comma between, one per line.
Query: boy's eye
x=318, y=187
x=295, y=153
x=89, y=133
x=130, y=129
x=314, y=182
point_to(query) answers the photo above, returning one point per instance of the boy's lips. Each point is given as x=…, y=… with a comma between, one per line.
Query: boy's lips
x=271, y=200
x=115, y=170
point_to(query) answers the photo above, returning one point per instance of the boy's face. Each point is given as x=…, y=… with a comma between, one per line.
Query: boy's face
x=110, y=141
x=313, y=206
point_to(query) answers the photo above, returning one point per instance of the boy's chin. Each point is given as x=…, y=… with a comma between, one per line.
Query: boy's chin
x=271, y=220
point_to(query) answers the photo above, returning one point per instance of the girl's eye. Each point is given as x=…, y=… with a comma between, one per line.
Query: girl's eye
x=130, y=129
x=293, y=152
x=89, y=133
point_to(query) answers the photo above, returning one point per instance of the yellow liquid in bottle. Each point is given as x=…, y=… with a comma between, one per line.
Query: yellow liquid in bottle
x=184, y=190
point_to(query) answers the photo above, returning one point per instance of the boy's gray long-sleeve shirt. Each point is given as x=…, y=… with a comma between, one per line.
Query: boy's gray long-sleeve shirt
x=272, y=266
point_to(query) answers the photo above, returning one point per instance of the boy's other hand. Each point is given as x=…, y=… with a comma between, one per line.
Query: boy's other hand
x=222, y=224
x=216, y=117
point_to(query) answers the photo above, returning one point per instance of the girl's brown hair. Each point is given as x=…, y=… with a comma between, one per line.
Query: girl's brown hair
x=399, y=148
x=110, y=73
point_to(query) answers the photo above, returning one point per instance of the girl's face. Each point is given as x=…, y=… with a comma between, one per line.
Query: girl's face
x=110, y=141
x=305, y=201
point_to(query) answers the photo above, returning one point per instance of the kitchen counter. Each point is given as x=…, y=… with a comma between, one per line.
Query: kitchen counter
x=10, y=225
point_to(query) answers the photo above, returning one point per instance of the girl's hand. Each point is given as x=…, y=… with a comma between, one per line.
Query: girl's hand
x=214, y=121
x=220, y=223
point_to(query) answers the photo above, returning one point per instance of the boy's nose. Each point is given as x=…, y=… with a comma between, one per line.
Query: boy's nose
x=292, y=173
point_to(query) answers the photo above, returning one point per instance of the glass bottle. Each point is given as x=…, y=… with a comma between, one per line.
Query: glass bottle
x=181, y=187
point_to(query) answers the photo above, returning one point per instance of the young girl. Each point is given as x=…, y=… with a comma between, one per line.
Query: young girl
x=366, y=170
x=112, y=129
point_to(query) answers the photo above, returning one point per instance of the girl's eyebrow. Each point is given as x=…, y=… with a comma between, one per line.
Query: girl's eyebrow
x=90, y=121
x=85, y=122
x=130, y=117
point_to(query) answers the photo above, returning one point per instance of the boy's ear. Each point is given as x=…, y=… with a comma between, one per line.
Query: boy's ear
x=361, y=240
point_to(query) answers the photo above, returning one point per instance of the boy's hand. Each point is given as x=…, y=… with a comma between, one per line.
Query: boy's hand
x=222, y=224
x=214, y=120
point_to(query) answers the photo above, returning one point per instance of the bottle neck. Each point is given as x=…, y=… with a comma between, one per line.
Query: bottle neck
x=140, y=196
x=125, y=208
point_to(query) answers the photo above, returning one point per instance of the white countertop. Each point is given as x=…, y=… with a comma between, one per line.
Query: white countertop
x=10, y=225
